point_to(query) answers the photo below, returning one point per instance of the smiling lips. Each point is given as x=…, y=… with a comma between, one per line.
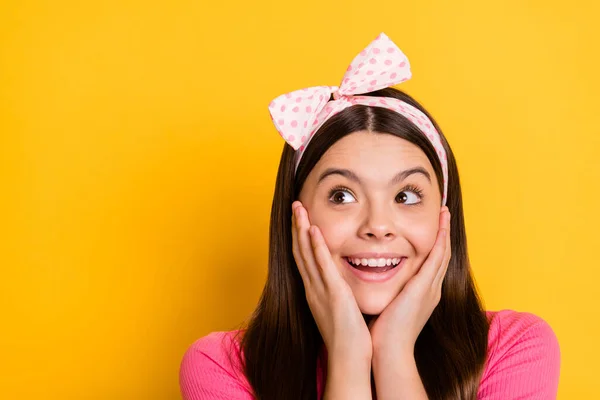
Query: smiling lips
x=374, y=260
x=375, y=269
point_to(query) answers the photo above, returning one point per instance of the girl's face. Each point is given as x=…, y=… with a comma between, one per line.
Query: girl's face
x=374, y=196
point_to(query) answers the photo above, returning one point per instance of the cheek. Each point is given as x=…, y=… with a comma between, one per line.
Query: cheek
x=336, y=229
x=422, y=237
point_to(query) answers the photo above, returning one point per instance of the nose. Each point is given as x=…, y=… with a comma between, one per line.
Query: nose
x=378, y=224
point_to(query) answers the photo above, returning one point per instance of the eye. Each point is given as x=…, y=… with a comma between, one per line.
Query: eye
x=409, y=192
x=337, y=195
x=410, y=195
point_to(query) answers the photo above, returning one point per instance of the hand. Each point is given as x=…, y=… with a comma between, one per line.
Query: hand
x=394, y=332
x=329, y=297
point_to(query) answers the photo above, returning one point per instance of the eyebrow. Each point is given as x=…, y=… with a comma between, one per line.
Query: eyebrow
x=399, y=177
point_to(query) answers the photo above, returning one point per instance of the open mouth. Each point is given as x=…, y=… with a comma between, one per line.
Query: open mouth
x=374, y=266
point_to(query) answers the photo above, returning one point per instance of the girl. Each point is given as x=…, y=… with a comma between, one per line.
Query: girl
x=369, y=291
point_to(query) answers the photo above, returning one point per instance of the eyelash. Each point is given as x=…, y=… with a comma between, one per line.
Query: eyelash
x=409, y=187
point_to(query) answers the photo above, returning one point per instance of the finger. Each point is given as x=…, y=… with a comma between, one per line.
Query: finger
x=433, y=263
x=325, y=263
x=305, y=246
x=439, y=278
x=295, y=205
x=296, y=252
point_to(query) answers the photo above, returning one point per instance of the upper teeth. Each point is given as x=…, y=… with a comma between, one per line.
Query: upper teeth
x=375, y=262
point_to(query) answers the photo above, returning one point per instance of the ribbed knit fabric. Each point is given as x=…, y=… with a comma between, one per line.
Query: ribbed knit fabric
x=523, y=363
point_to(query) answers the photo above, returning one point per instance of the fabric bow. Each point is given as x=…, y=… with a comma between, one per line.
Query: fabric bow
x=298, y=114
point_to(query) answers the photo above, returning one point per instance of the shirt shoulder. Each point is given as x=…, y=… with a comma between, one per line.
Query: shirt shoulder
x=523, y=358
x=211, y=368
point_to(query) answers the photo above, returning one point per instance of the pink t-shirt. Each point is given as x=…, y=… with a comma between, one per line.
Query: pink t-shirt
x=523, y=363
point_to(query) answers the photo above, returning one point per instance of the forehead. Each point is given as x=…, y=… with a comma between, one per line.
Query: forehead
x=373, y=156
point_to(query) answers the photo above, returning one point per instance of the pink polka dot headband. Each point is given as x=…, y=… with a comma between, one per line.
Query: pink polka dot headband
x=299, y=114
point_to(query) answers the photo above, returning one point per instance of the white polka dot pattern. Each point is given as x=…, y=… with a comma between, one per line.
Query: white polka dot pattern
x=299, y=114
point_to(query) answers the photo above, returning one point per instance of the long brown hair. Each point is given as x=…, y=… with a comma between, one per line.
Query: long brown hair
x=282, y=343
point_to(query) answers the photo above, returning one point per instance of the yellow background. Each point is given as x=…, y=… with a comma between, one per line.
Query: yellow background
x=138, y=163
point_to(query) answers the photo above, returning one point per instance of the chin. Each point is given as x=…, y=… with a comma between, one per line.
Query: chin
x=371, y=302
